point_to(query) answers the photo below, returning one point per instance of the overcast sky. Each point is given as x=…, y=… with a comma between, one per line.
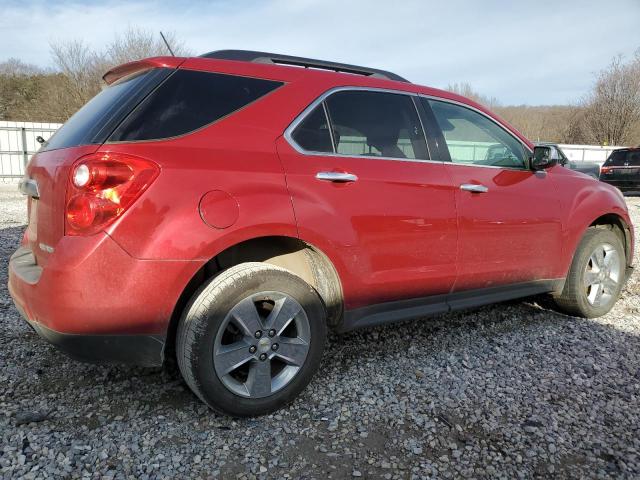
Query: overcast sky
x=521, y=52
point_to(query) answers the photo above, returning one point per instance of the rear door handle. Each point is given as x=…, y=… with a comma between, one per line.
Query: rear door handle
x=473, y=187
x=340, y=177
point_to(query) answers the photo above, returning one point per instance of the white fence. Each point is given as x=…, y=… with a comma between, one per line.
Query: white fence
x=18, y=143
x=474, y=151
x=587, y=153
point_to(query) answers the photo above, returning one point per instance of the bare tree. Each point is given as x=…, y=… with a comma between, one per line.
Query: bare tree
x=14, y=66
x=574, y=128
x=551, y=123
x=466, y=90
x=82, y=67
x=135, y=43
x=612, y=109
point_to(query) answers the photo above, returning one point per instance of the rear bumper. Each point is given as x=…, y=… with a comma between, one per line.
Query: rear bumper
x=96, y=302
x=143, y=350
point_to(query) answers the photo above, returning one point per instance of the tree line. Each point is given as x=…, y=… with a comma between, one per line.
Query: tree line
x=31, y=93
x=609, y=114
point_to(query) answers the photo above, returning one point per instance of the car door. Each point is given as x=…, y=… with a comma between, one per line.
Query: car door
x=508, y=215
x=365, y=192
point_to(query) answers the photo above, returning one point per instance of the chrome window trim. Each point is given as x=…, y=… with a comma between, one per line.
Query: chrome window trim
x=288, y=133
x=489, y=166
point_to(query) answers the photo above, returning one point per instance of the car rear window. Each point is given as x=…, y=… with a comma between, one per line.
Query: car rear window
x=189, y=100
x=94, y=122
x=622, y=158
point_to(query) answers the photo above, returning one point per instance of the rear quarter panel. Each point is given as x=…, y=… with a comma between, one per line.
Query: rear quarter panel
x=236, y=155
x=165, y=223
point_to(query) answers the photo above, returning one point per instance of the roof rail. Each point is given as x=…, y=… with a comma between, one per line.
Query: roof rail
x=265, y=57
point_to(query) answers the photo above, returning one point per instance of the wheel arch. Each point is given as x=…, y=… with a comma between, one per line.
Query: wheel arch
x=591, y=204
x=621, y=228
x=297, y=256
x=617, y=221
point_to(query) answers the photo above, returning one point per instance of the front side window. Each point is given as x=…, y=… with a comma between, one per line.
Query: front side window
x=473, y=139
x=377, y=124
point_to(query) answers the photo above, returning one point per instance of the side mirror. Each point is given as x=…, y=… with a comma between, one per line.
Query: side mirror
x=544, y=156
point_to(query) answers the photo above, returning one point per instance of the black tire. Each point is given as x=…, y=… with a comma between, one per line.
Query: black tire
x=205, y=316
x=574, y=298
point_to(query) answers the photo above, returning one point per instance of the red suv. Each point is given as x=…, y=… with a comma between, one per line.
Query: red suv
x=229, y=209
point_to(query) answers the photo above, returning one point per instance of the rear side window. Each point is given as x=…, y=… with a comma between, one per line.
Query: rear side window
x=187, y=101
x=93, y=123
x=622, y=158
x=313, y=133
x=376, y=124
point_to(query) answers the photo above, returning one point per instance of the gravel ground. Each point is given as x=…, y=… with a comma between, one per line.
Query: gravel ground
x=513, y=391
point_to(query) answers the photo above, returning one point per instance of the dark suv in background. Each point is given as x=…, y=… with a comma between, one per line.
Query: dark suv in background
x=622, y=169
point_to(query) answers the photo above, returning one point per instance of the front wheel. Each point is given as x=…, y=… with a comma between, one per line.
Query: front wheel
x=596, y=276
x=251, y=339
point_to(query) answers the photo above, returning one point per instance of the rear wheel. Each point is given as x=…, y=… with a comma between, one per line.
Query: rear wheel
x=596, y=276
x=251, y=339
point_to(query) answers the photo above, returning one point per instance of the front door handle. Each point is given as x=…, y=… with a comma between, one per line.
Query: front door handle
x=473, y=187
x=340, y=177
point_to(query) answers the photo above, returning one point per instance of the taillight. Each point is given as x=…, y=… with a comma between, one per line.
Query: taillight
x=605, y=169
x=101, y=188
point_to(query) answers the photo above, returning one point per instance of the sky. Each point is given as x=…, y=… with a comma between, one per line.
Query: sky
x=520, y=52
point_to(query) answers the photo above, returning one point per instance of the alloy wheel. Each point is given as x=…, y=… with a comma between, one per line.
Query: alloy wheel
x=262, y=344
x=602, y=275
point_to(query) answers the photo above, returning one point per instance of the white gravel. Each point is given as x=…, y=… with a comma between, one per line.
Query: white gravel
x=509, y=391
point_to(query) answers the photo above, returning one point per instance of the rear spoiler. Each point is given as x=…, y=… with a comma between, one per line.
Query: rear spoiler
x=117, y=73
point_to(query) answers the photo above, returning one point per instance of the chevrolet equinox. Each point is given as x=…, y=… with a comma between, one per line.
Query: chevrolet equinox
x=227, y=210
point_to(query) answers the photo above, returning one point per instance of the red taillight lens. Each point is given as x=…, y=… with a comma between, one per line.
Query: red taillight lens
x=605, y=169
x=101, y=188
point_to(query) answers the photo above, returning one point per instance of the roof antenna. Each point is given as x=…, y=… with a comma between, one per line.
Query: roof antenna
x=167, y=44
